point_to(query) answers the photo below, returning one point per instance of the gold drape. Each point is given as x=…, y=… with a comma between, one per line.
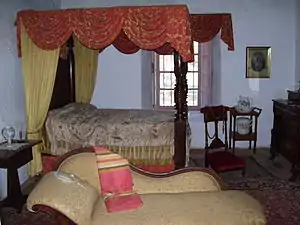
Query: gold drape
x=86, y=63
x=39, y=70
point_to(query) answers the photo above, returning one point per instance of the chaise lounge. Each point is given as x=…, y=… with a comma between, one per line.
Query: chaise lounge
x=189, y=196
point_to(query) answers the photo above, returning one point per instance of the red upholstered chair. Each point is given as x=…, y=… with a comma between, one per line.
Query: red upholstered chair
x=221, y=159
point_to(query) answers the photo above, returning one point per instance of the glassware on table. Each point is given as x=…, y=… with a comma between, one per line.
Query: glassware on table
x=8, y=133
x=20, y=131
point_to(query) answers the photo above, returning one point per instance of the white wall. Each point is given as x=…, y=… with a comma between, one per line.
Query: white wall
x=116, y=80
x=12, y=111
x=147, y=80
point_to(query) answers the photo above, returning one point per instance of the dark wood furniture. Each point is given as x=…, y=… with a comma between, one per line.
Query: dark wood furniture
x=220, y=160
x=286, y=133
x=235, y=136
x=12, y=160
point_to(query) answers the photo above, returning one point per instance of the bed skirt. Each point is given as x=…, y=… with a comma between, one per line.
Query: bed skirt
x=49, y=164
x=137, y=155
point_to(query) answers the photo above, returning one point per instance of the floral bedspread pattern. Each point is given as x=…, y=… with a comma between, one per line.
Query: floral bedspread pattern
x=142, y=136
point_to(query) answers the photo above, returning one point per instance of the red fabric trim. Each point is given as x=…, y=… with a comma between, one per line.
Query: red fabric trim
x=48, y=162
x=128, y=28
x=206, y=26
x=227, y=31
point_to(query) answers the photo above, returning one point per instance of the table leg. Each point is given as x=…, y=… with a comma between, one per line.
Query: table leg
x=234, y=132
x=15, y=198
x=254, y=147
x=233, y=146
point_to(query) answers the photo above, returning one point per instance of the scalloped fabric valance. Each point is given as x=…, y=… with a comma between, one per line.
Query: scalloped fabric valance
x=206, y=26
x=159, y=28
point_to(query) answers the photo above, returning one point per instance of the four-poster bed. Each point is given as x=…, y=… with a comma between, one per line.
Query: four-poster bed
x=128, y=29
x=44, y=35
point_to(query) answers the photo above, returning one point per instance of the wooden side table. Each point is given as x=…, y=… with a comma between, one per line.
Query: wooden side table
x=12, y=158
x=235, y=136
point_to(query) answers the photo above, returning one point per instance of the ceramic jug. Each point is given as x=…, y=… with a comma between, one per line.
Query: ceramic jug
x=244, y=104
x=243, y=125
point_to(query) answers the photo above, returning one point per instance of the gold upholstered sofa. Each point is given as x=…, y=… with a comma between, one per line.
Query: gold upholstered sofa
x=190, y=196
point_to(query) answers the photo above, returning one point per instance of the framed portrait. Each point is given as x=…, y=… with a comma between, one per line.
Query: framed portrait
x=258, y=62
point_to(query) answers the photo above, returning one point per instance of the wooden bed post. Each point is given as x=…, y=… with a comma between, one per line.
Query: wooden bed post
x=64, y=86
x=72, y=68
x=181, y=116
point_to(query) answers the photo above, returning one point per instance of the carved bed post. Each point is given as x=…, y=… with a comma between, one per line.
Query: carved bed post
x=180, y=124
x=72, y=68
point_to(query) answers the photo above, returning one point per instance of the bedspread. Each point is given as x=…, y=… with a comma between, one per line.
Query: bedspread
x=142, y=136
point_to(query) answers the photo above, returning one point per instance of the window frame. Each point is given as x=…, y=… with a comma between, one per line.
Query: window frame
x=156, y=83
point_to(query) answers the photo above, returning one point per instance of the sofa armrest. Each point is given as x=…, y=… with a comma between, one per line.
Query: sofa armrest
x=66, y=194
x=182, y=180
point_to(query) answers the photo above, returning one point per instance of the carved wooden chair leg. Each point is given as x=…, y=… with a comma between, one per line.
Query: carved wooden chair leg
x=206, y=162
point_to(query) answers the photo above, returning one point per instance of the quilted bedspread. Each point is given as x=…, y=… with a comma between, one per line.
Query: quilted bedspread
x=136, y=134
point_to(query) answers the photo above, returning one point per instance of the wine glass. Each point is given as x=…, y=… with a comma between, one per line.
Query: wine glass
x=8, y=133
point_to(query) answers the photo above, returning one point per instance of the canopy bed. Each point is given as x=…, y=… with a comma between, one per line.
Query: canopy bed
x=59, y=50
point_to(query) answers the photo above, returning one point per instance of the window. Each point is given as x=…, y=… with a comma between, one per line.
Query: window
x=197, y=78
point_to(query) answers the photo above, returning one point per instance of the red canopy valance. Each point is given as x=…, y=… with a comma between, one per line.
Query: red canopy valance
x=128, y=28
x=206, y=26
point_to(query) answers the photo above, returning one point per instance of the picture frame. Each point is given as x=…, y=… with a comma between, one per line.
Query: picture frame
x=258, y=62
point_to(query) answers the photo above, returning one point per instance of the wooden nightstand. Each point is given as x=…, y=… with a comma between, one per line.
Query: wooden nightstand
x=12, y=158
x=235, y=136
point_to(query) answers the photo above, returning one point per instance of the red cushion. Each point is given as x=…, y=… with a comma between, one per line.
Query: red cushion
x=224, y=161
x=48, y=161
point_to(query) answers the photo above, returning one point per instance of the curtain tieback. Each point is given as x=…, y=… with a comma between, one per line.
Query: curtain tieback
x=36, y=135
x=37, y=132
x=32, y=132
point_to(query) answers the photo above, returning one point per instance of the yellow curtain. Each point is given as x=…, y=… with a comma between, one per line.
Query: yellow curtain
x=86, y=63
x=39, y=70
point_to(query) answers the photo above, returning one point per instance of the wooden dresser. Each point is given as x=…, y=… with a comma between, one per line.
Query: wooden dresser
x=286, y=133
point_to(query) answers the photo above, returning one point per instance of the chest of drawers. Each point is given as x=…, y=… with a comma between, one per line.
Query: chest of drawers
x=286, y=133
